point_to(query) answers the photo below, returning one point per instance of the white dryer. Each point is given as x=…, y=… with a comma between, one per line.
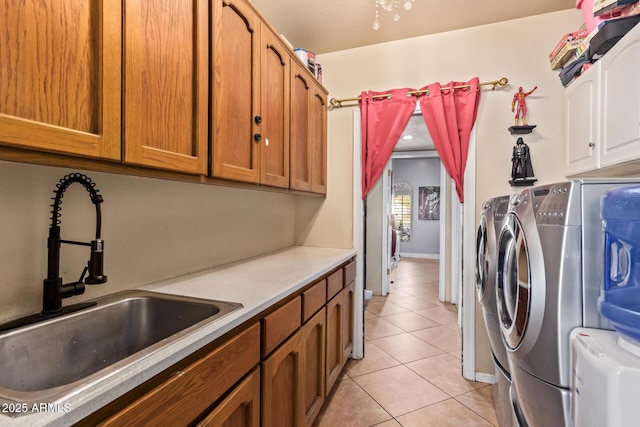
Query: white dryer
x=550, y=270
x=491, y=217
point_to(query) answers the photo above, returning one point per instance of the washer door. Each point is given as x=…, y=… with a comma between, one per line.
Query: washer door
x=482, y=260
x=513, y=287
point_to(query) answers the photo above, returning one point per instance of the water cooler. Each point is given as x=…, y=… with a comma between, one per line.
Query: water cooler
x=606, y=364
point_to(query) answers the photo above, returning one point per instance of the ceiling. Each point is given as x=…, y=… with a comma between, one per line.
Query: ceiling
x=322, y=26
x=415, y=136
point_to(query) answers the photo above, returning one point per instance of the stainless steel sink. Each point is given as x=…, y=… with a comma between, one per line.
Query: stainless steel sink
x=50, y=360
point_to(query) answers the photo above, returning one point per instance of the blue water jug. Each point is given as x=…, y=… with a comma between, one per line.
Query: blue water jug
x=619, y=300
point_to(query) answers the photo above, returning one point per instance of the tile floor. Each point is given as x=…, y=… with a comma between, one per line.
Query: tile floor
x=411, y=373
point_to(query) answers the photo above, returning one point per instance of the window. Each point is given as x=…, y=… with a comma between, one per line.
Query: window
x=402, y=201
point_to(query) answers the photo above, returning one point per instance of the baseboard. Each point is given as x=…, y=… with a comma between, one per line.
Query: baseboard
x=410, y=255
x=482, y=377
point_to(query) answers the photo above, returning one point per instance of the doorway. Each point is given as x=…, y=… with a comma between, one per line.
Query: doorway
x=456, y=280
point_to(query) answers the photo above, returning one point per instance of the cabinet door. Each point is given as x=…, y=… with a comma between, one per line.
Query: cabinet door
x=581, y=123
x=275, y=84
x=236, y=85
x=282, y=385
x=347, y=322
x=318, y=140
x=335, y=348
x=60, y=76
x=313, y=366
x=166, y=84
x=241, y=408
x=300, y=113
x=620, y=129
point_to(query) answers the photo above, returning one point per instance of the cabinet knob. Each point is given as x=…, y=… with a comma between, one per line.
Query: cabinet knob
x=592, y=145
x=266, y=142
x=258, y=119
x=257, y=137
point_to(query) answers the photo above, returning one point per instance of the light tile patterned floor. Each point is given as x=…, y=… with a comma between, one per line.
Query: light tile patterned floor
x=411, y=373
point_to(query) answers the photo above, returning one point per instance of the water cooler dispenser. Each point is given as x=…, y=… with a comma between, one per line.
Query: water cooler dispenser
x=606, y=364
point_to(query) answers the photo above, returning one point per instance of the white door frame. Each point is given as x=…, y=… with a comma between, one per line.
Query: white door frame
x=385, y=262
x=358, y=240
x=468, y=294
x=466, y=287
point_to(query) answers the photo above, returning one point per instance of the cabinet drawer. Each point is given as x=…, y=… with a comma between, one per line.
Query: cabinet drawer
x=349, y=273
x=313, y=299
x=188, y=393
x=277, y=326
x=335, y=283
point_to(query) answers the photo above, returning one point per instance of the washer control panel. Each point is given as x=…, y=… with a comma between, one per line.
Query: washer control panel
x=551, y=203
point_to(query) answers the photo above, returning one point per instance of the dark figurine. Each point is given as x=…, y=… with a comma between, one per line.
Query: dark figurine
x=521, y=169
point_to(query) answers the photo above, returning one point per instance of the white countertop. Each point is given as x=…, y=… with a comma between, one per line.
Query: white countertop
x=256, y=283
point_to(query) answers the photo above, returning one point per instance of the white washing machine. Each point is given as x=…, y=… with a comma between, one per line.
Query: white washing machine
x=604, y=384
x=491, y=218
x=550, y=270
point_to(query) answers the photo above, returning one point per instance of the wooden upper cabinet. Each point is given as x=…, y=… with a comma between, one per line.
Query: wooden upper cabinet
x=308, y=132
x=250, y=98
x=300, y=111
x=318, y=140
x=236, y=91
x=166, y=84
x=60, y=80
x=275, y=88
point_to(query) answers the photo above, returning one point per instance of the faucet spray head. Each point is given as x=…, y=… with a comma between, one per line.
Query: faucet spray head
x=96, y=264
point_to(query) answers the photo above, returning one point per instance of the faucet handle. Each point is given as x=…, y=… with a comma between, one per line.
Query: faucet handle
x=96, y=264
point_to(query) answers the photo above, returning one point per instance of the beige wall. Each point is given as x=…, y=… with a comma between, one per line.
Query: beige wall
x=153, y=229
x=515, y=49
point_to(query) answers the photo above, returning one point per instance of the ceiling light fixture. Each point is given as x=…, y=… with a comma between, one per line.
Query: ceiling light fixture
x=390, y=6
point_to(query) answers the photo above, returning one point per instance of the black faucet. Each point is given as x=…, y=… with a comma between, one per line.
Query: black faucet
x=54, y=290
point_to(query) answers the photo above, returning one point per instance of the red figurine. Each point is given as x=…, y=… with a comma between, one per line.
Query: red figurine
x=519, y=97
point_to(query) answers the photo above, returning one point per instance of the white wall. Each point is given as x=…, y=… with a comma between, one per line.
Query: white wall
x=516, y=49
x=153, y=229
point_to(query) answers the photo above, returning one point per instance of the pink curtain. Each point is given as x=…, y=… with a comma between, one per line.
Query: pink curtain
x=383, y=121
x=450, y=115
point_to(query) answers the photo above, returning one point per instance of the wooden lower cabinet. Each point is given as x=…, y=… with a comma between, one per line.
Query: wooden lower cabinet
x=282, y=385
x=335, y=309
x=241, y=408
x=314, y=334
x=293, y=379
x=339, y=333
x=347, y=322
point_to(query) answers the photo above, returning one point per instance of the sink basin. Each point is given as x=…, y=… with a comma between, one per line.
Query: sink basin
x=54, y=359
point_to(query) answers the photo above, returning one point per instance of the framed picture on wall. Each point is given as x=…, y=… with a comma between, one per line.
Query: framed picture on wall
x=429, y=203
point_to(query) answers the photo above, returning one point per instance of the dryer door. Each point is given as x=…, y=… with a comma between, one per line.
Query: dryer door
x=482, y=260
x=513, y=282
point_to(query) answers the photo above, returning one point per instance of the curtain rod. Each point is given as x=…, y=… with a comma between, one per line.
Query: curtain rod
x=337, y=103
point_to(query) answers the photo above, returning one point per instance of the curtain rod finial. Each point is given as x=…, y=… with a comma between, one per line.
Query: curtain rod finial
x=502, y=82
